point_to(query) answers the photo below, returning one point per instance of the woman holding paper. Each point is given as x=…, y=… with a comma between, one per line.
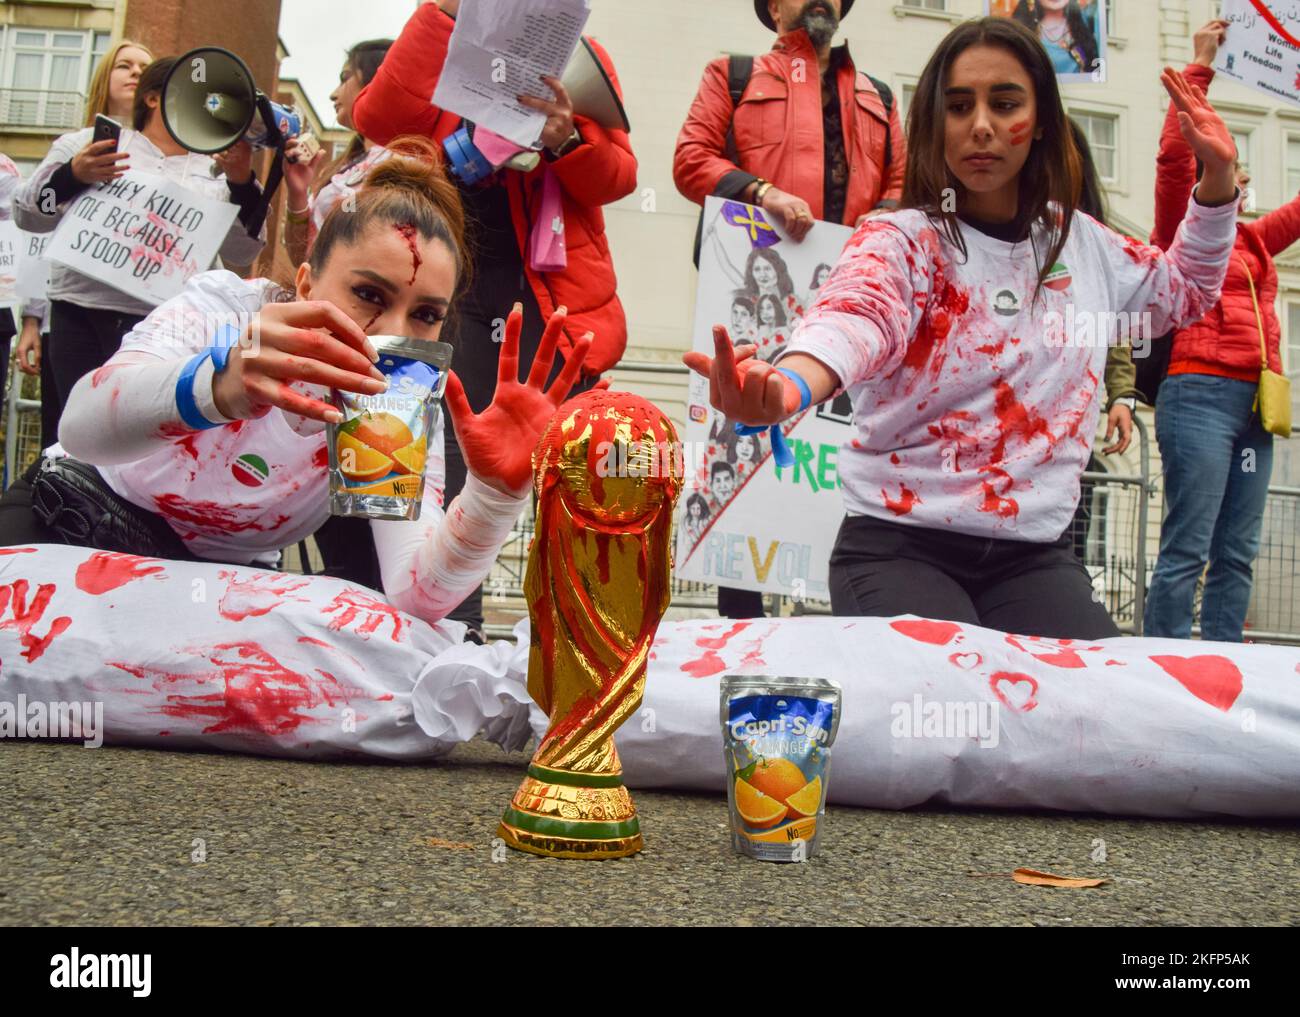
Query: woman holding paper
x=974, y=427
x=1216, y=455
x=89, y=317
x=516, y=217
x=169, y=418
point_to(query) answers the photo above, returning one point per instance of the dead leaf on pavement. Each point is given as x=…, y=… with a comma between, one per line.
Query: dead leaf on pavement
x=454, y=845
x=1035, y=878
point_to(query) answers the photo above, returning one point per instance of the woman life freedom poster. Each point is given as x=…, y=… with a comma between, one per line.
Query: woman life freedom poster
x=742, y=521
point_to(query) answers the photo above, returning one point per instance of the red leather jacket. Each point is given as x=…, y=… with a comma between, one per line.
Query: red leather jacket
x=597, y=172
x=1226, y=341
x=778, y=132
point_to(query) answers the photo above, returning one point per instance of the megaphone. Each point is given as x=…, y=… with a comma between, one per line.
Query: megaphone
x=210, y=101
x=592, y=92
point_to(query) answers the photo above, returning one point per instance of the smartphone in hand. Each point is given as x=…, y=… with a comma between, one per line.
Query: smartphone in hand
x=107, y=129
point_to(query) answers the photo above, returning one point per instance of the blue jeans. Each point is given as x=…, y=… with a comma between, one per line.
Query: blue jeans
x=1217, y=463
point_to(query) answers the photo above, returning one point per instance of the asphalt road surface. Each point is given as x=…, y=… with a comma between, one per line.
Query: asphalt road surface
x=134, y=836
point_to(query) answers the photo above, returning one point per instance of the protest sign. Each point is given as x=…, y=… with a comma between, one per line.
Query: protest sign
x=33, y=268
x=1262, y=46
x=141, y=234
x=1073, y=35
x=11, y=243
x=743, y=522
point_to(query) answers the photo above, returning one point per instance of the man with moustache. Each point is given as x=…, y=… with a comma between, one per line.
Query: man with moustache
x=798, y=131
x=809, y=136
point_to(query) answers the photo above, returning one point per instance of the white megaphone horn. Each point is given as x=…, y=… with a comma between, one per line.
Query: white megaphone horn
x=210, y=102
x=593, y=93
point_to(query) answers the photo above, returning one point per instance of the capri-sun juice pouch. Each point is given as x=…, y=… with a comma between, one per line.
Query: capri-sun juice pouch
x=378, y=452
x=777, y=735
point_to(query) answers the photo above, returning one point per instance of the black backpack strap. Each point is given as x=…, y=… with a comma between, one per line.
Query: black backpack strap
x=887, y=98
x=740, y=69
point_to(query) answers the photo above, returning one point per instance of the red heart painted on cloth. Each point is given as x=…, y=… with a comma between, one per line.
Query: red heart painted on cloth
x=967, y=661
x=1210, y=678
x=1018, y=691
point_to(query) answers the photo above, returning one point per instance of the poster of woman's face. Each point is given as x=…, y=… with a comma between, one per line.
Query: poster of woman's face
x=770, y=312
x=819, y=275
x=1073, y=32
x=766, y=272
x=747, y=449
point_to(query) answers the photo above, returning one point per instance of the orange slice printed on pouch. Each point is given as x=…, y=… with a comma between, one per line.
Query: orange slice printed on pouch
x=410, y=458
x=757, y=809
x=777, y=778
x=363, y=463
x=808, y=799
x=381, y=431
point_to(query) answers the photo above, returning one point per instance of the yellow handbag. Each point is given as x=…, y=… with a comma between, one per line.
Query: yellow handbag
x=1273, y=400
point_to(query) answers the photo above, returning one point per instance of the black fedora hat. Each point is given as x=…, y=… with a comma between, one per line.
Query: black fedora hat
x=760, y=8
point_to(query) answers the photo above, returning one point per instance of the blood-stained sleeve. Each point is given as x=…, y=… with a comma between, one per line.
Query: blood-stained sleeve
x=869, y=307
x=430, y=565
x=1180, y=285
x=127, y=410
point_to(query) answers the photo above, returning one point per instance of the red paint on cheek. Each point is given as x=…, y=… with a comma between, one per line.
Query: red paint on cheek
x=373, y=318
x=1020, y=132
x=407, y=231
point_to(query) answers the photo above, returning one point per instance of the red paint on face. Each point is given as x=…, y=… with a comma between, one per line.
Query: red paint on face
x=256, y=693
x=104, y=571
x=936, y=633
x=1212, y=679
x=26, y=616
x=373, y=318
x=1020, y=133
x=408, y=233
x=904, y=503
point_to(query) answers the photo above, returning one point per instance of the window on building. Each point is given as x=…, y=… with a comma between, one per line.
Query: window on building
x=1244, y=140
x=1102, y=132
x=905, y=96
x=43, y=76
x=929, y=5
x=1292, y=166
x=1110, y=18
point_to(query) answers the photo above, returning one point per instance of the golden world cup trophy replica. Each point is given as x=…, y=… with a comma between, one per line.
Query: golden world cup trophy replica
x=607, y=473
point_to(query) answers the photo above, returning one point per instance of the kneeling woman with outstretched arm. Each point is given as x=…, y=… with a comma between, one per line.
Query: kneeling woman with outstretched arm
x=975, y=416
x=230, y=464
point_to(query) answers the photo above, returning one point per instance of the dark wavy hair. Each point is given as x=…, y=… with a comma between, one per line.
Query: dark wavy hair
x=1052, y=174
x=784, y=283
x=776, y=306
x=1083, y=41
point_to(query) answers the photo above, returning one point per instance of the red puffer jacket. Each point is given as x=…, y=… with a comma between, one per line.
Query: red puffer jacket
x=1226, y=341
x=597, y=172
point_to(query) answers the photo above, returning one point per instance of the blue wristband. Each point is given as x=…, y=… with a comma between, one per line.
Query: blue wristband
x=781, y=453
x=185, y=403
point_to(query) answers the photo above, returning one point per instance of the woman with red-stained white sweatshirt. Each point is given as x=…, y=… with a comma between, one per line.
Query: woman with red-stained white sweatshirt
x=974, y=425
x=195, y=449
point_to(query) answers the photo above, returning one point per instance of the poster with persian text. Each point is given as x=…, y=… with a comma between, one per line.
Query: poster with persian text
x=742, y=521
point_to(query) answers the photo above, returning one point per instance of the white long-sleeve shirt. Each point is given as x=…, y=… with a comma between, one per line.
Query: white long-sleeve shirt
x=188, y=169
x=241, y=492
x=974, y=408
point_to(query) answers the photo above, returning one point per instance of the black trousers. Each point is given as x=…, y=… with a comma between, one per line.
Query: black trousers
x=81, y=340
x=880, y=568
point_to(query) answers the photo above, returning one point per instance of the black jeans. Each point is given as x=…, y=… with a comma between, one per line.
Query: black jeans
x=81, y=340
x=880, y=568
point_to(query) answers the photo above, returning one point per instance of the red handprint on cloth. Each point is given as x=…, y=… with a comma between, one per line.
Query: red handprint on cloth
x=26, y=616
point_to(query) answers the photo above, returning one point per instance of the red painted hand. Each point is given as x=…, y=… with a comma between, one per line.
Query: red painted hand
x=498, y=443
x=743, y=389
